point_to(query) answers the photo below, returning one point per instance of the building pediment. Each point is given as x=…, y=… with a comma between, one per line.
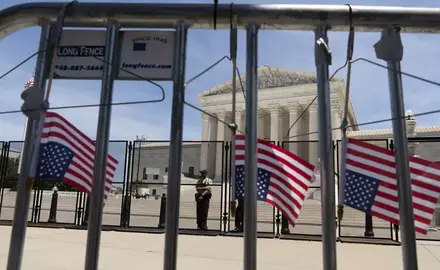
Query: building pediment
x=268, y=77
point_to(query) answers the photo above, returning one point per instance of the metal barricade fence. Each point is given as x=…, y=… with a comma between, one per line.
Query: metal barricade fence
x=181, y=17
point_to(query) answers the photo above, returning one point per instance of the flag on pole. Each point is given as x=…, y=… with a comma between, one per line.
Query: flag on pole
x=371, y=184
x=67, y=154
x=283, y=178
x=29, y=83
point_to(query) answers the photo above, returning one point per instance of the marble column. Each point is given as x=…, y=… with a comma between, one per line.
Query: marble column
x=261, y=115
x=313, y=136
x=336, y=124
x=294, y=112
x=213, y=124
x=221, y=128
x=228, y=131
x=239, y=120
x=411, y=123
x=336, y=119
x=204, y=147
x=274, y=124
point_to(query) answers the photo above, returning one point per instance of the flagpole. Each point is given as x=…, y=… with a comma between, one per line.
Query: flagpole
x=390, y=49
x=101, y=151
x=251, y=170
x=21, y=212
x=22, y=146
x=328, y=204
x=233, y=49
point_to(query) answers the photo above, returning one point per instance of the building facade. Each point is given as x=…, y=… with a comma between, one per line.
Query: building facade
x=283, y=99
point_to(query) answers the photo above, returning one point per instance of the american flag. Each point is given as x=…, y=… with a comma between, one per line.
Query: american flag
x=29, y=83
x=67, y=154
x=283, y=178
x=371, y=184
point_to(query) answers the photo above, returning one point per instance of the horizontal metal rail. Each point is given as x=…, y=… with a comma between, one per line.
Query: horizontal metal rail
x=271, y=16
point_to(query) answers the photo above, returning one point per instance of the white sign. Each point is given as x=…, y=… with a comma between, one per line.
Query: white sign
x=152, y=171
x=147, y=54
x=77, y=52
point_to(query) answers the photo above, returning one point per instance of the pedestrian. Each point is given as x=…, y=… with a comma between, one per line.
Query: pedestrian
x=239, y=216
x=202, y=197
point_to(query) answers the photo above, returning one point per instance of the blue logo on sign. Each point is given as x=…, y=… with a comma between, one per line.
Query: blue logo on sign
x=139, y=46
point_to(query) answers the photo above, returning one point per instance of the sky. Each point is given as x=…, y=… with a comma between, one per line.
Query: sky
x=286, y=49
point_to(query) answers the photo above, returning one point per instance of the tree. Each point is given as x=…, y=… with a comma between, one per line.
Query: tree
x=11, y=177
x=11, y=172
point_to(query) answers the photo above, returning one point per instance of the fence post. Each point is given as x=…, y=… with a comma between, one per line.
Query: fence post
x=396, y=227
x=162, y=213
x=368, y=225
x=125, y=211
x=284, y=225
x=53, y=206
x=226, y=184
x=278, y=221
x=86, y=211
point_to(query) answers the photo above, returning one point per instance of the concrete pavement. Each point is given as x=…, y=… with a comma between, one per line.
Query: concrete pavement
x=60, y=249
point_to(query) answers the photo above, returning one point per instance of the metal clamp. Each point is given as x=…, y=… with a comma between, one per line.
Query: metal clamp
x=323, y=53
x=389, y=47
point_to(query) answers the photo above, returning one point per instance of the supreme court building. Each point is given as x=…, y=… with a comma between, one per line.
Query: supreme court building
x=283, y=95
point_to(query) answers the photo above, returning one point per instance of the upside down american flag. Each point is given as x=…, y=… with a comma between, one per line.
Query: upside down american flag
x=67, y=154
x=371, y=184
x=283, y=178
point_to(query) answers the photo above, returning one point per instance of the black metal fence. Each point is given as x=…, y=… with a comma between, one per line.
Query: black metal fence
x=141, y=180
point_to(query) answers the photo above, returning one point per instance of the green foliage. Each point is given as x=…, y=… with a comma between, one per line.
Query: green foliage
x=11, y=172
x=11, y=178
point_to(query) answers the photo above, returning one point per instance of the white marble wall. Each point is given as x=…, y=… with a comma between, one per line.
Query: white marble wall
x=273, y=124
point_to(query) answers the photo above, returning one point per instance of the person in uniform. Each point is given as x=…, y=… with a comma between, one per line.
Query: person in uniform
x=202, y=197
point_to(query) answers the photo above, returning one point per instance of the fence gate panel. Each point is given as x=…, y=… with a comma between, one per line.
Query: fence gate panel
x=147, y=180
x=309, y=221
x=427, y=148
x=356, y=223
x=11, y=162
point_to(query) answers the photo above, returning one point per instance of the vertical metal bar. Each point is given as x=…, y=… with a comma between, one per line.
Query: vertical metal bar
x=41, y=185
x=175, y=156
x=406, y=211
x=122, y=218
x=101, y=148
x=76, y=209
x=233, y=49
x=21, y=211
x=21, y=151
x=224, y=184
x=3, y=167
x=138, y=167
x=390, y=49
x=322, y=61
x=250, y=181
x=132, y=153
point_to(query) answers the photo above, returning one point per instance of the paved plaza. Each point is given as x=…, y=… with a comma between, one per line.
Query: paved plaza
x=145, y=213
x=61, y=249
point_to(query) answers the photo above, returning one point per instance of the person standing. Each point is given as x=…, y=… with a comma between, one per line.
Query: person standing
x=202, y=197
x=239, y=216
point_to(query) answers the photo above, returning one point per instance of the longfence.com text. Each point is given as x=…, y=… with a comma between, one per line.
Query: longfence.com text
x=144, y=66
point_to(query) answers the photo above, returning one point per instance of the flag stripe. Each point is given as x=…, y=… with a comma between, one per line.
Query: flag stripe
x=379, y=163
x=80, y=171
x=290, y=176
x=58, y=118
x=54, y=136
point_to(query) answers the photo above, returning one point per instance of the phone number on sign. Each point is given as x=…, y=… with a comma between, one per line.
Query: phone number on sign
x=80, y=67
